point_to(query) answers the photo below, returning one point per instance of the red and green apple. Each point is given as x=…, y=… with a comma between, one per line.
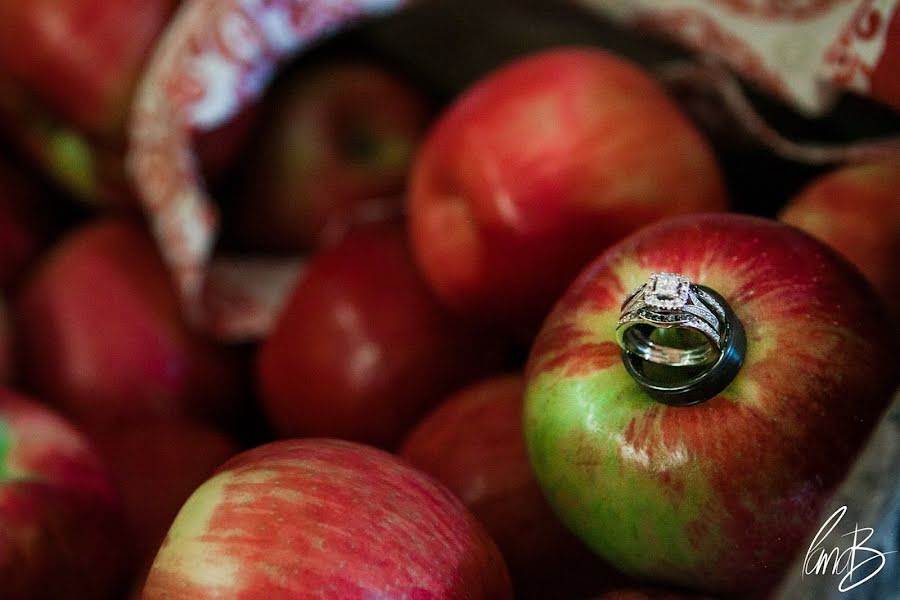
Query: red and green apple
x=325, y=519
x=68, y=73
x=61, y=532
x=717, y=496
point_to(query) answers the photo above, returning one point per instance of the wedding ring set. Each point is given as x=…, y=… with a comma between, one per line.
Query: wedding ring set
x=680, y=341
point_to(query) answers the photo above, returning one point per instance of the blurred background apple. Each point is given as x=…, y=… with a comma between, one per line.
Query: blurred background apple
x=103, y=337
x=334, y=149
x=61, y=533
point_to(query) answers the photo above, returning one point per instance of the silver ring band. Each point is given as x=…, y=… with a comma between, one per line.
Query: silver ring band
x=671, y=301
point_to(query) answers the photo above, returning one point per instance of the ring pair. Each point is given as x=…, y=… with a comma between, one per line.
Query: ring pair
x=681, y=342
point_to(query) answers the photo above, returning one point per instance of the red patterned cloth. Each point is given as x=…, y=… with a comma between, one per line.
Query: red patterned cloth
x=804, y=51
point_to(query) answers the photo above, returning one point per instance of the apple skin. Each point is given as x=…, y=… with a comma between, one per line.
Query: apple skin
x=335, y=149
x=856, y=211
x=60, y=519
x=102, y=336
x=65, y=102
x=90, y=88
x=156, y=467
x=473, y=444
x=325, y=519
x=717, y=496
x=540, y=166
x=363, y=349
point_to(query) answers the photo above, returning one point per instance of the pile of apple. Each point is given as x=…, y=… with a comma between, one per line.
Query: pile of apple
x=441, y=410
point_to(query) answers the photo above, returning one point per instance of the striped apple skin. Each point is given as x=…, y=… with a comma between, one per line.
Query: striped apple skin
x=324, y=519
x=715, y=496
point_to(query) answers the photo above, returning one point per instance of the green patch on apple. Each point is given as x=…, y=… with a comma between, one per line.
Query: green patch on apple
x=72, y=159
x=603, y=484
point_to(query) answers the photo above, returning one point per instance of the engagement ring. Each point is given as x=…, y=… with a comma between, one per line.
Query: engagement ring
x=688, y=334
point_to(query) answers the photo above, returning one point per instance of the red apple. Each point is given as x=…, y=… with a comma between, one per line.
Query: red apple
x=60, y=525
x=102, y=334
x=68, y=74
x=856, y=211
x=325, y=519
x=335, y=149
x=473, y=444
x=363, y=349
x=156, y=467
x=541, y=165
x=80, y=59
x=24, y=224
x=717, y=496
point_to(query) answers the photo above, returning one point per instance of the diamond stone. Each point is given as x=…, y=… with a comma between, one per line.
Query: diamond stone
x=667, y=291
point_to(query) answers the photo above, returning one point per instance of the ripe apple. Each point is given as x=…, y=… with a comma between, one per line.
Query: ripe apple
x=541, y=165
x=24, y=224
x=60, y=521
x=473, y=444
x=325, y=519
x=717, y=496
x=102, y=334
x=363, y=349
x=335, y=149
x=80, y=59
x=68, y=75
x=156, y=467
x=856, y=211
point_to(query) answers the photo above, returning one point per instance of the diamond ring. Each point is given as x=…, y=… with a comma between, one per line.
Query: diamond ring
x=671, y=301
x=669, y=322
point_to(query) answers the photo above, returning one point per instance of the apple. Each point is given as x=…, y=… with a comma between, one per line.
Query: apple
x=156, y=467
x=60, y=520
x=68, y=73
x=473, y=444
x=335, y=149
x=362, y=348
x=325, y=519
x=856, y=211
x=24, y=224
x=540, y=166
x=66, y=100
x=717, y=496
x=81, y=60
x=102, y=334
